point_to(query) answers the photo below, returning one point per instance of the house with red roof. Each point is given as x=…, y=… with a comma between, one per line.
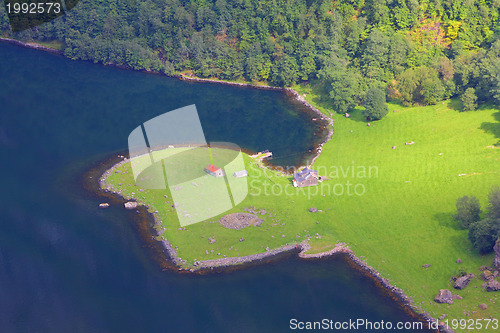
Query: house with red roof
x=214, y=171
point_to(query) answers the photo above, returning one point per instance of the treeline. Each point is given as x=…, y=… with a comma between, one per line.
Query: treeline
x=416, y=51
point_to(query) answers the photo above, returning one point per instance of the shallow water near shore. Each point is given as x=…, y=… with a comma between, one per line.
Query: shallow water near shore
x=66, y=265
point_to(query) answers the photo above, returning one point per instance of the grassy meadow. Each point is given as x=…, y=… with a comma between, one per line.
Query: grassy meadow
x=394, y=211
x=404, y=220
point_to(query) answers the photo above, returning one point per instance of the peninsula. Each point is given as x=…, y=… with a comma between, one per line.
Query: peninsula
x=392, y=207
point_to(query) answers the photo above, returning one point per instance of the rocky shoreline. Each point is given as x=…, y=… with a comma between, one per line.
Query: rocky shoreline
x=170, y=250
x=399, y=293
x=228, y=263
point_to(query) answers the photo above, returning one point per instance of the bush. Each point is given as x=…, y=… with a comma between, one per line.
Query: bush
x=375, y=104
x=421, y=85
x=483, y=234
x=469, y=99
x=468, y=210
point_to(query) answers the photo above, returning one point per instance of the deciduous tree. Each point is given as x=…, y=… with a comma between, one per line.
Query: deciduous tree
x=375, y=104
x=468, y=210
x=484, y=234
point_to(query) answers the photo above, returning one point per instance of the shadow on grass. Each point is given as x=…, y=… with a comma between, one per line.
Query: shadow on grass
x=446, y=220
x=323, y=100
x=321, y=92
x=455, y=104
x=493, y=128
x=357, y=115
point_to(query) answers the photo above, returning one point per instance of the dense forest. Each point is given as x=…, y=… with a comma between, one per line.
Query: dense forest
x=417, y=51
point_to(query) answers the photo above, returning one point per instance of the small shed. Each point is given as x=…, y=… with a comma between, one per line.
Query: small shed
x=306, y=177
x=214, y=171
x=239, y=174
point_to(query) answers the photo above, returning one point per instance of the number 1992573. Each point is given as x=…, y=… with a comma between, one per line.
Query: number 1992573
x=34, y=8
x=472, y=324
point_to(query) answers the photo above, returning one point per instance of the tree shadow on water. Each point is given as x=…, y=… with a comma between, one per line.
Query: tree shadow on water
x=493, y=128
x=446, y=220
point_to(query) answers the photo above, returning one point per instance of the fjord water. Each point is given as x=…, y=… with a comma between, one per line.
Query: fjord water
x=66, y=266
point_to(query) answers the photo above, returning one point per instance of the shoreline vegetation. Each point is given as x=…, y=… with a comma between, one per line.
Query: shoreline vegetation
x=303, y=247
x=31, y=45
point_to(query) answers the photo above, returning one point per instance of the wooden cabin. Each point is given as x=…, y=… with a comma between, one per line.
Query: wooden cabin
x=306, y=177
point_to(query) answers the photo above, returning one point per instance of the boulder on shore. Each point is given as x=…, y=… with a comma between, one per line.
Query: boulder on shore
x=463, y=281
x=130, y=205
x=445, y=296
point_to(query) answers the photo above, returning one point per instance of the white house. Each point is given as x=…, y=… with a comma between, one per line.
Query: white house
x=239, y=174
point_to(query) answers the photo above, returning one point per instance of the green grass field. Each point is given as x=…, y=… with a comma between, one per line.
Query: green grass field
x=401, y=217
x=404, y=219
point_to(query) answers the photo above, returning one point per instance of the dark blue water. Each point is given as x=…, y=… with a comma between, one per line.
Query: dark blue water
x=66, y=266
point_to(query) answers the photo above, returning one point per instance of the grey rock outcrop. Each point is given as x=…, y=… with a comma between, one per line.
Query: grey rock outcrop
x=487, y=275
x=463, y=281
x=445, y=296
x=492, y=285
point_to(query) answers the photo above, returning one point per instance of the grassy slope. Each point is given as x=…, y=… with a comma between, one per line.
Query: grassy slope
x=405, y=218
x=402, y=221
